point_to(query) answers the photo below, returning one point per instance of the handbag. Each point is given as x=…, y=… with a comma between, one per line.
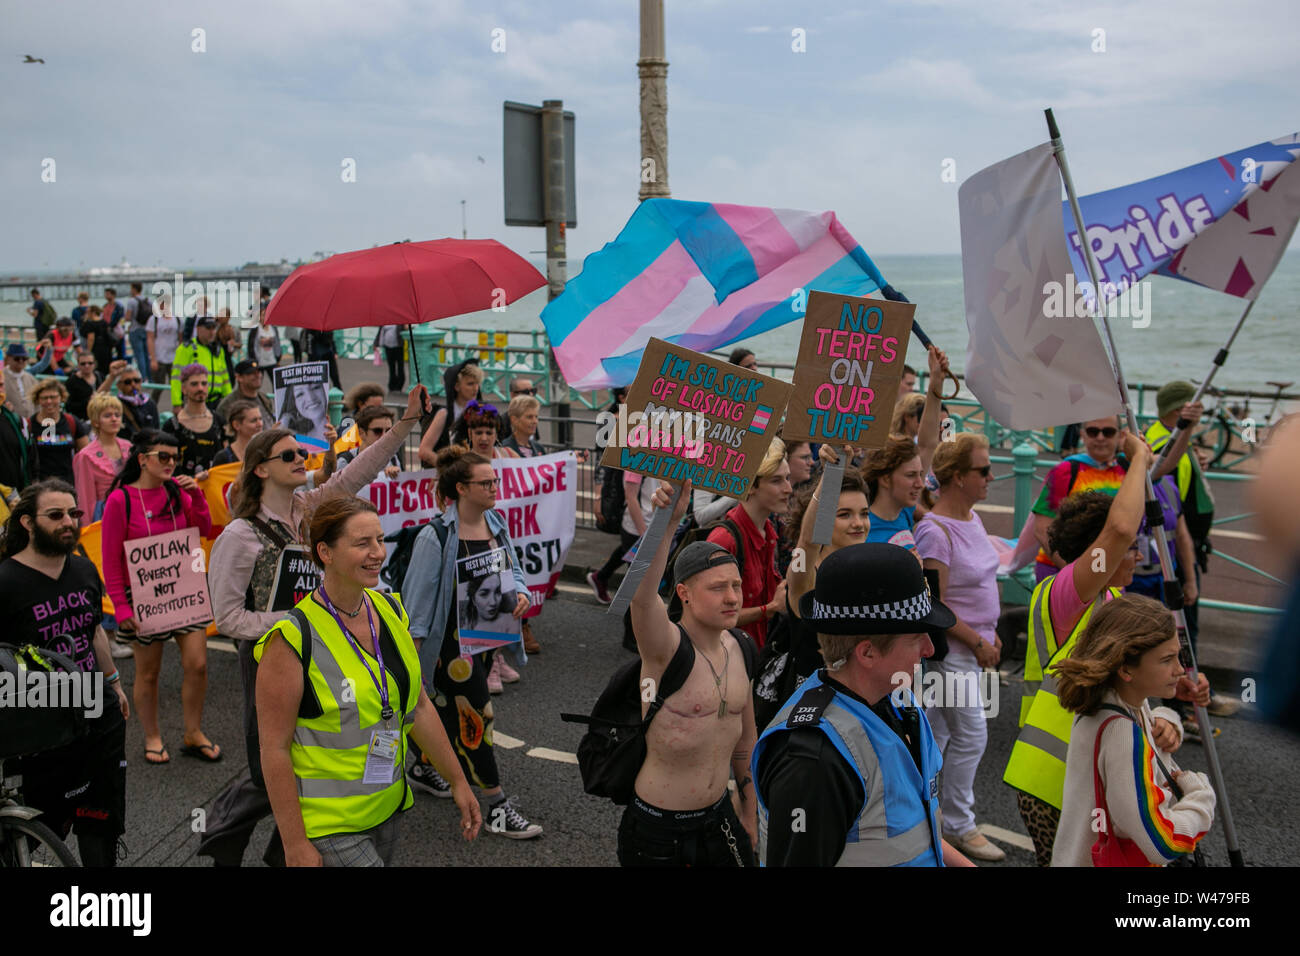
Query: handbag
x=1101, y=855
x=1110, y=850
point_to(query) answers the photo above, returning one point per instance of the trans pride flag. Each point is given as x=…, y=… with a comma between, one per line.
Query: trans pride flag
x=701, y=275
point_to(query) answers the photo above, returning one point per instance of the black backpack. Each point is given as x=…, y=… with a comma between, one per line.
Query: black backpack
x=29, y=730
x=613, y=749
x=394, y=572
x=613, y=501
x=143, y=310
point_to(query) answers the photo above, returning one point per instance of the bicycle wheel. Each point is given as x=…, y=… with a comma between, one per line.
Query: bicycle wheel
x=25, y=843
x=1216, y=437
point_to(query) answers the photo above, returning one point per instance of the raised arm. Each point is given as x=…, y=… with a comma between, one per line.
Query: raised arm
x=1191, y=413
x=927, y=438
x=1122, y=523
x=656, y=636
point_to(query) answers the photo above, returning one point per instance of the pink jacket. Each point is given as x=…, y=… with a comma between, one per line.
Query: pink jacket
x=94, y=472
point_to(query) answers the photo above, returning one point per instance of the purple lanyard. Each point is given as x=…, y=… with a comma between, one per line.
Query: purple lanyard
x=382, y=683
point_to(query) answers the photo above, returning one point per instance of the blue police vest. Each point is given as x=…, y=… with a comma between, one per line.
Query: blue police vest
x=898, y=824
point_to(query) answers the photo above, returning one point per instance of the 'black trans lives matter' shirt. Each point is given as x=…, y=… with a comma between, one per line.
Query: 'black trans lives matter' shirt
x=58, y=615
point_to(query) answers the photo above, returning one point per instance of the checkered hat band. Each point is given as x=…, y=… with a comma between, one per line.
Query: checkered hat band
x=913, y=609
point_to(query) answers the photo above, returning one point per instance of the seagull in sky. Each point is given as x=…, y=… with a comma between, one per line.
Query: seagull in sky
x=482, y=160
x=32, y=59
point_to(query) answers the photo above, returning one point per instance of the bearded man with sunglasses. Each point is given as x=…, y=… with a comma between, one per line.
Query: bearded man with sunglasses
x=52, y=598
x=259, y=569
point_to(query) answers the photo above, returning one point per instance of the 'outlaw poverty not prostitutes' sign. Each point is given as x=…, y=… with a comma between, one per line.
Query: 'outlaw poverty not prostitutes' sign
x=851, y=357
x=691, y=416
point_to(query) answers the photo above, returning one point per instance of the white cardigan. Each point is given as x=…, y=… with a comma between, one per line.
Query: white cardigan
x=1141, y=804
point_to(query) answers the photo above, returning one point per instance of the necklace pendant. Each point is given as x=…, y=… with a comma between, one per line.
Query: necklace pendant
x=722, y=709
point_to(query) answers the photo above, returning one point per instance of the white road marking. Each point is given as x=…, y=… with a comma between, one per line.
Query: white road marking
x=214, y=645
x=1007, y=836
x=546, y=753
x=505, y=741
x=573, y=589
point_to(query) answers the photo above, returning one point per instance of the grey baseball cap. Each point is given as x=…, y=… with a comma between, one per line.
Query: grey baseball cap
x=700, y=556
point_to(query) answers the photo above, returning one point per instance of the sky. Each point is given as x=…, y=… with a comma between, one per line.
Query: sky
x=165, y=154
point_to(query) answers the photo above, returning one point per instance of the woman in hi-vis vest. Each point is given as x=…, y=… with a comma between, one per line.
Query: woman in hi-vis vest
x=343, y=684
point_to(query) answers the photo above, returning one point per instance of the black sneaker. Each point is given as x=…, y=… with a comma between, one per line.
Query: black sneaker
x=504, y=820
x=423, y=777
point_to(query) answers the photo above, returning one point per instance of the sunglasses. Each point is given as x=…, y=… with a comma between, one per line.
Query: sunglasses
x=984, y=471
x=56, y=514
x=378, y=431
x=523, y=391
x=130, y=381
x=289, y=456
x=164, y=457
x=1092, y=431
x=489, y=483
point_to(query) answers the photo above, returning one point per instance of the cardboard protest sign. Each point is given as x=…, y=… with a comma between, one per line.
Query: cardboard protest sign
x=850, y=362
x=168, y=581
x=302, y=400
x=485, y=602
x=692, y=416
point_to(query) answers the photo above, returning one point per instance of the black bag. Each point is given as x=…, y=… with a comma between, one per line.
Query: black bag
x=613, y=749
x=613, y=501
x=143, y=311
x=692, y=534
x=394, y=572
x=29, y=730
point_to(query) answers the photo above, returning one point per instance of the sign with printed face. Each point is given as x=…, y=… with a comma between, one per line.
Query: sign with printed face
x=168, y=581
x=693, y=416
x=302, y=400
x=850, y=362
x=485, y=602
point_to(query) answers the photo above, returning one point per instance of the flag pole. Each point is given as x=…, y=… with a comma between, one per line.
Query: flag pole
x=1183, y=424
x=1154, y=514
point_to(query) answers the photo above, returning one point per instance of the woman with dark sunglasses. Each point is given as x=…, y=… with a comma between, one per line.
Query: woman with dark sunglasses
x=265, y=541
x=146, y=500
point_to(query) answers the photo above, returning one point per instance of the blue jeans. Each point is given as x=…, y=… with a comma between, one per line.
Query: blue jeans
x=139, y=337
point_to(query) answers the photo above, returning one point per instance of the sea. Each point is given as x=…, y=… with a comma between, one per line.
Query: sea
x=1187, y=324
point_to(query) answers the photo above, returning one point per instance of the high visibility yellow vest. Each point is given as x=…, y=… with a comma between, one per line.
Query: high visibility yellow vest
x=329, y=751
x=1037, y=764
x=1042, y=639
x=1157, y=436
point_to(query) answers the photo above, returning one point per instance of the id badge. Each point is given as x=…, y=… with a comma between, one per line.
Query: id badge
x=381, y=758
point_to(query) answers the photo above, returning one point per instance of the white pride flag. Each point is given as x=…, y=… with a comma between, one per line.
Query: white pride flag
x=1027, y=368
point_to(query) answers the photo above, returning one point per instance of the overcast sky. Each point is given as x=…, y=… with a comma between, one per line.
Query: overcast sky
x=234, y=154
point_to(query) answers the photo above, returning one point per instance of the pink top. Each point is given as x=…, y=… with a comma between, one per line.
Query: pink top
x=94, y=471
x=115, y=533
x=1066, y=606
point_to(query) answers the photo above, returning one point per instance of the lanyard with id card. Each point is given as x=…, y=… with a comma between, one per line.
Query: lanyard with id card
x=384, y=752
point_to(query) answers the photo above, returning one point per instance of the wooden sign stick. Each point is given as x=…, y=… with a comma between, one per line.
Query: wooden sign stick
x=645, y=552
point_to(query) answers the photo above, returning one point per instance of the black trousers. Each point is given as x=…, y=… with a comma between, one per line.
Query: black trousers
x=396, y=368
x=239, y=808
x=615, y=561
x=648, y=836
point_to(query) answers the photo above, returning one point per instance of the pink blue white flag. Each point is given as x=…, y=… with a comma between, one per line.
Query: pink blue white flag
x=702, y=275
x=1223, y=223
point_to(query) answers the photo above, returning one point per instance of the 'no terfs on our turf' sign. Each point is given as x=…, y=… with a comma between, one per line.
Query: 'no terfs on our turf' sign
x=691, y=416
x=851, y=359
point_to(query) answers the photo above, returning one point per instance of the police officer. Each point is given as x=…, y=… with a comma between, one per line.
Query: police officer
x=847, y=772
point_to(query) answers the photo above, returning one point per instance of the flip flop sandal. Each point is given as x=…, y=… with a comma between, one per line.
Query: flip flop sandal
x=199, y=751
x=161, y=751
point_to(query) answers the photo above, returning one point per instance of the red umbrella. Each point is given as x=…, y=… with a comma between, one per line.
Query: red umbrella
x=405, y=283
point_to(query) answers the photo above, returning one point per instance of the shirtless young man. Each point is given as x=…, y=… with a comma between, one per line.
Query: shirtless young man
x=682, y=811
